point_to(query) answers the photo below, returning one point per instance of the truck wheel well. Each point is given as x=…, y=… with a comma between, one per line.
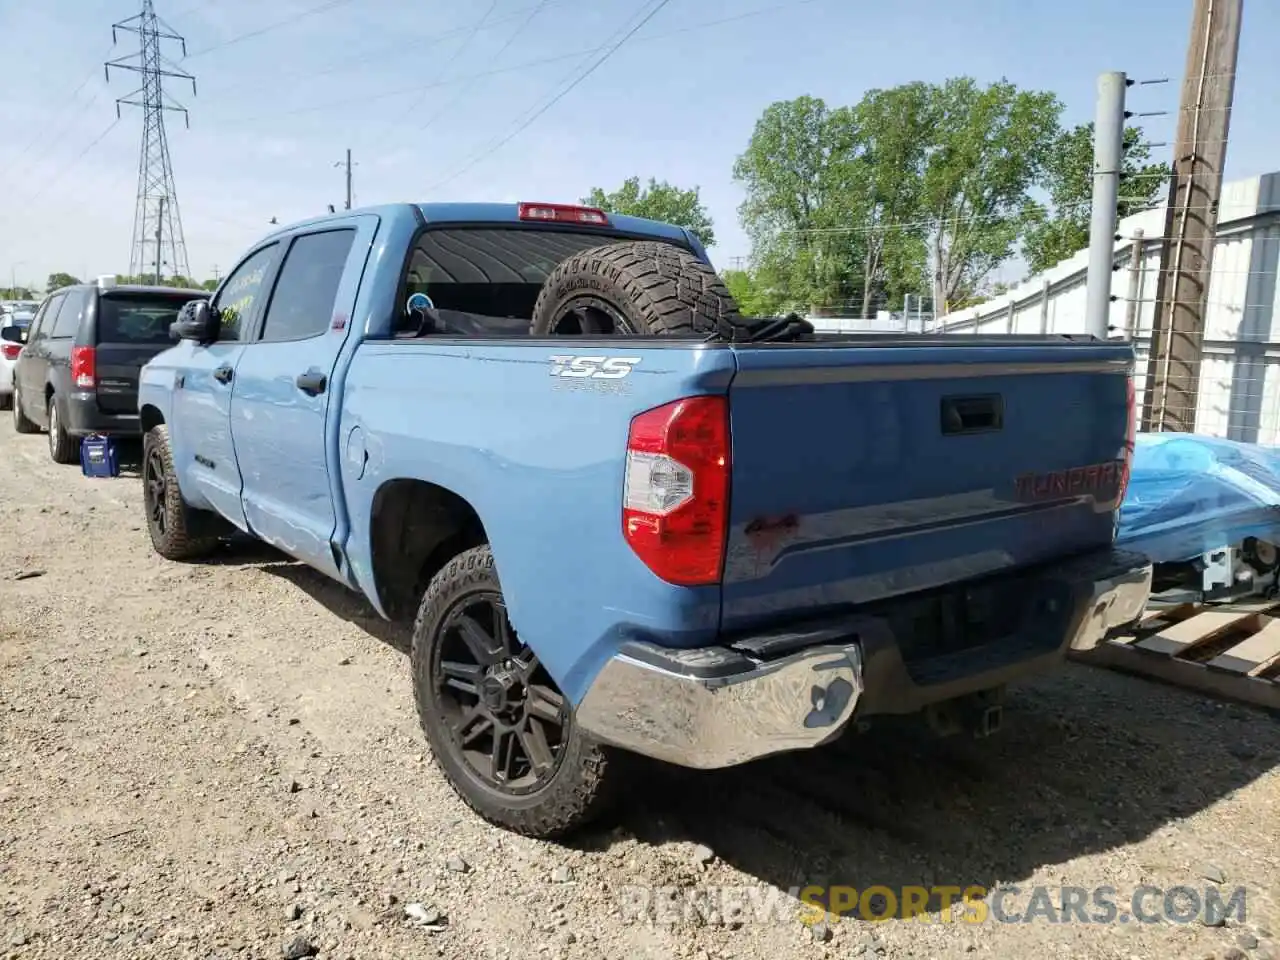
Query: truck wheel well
x=417, y=528
x=150, y=417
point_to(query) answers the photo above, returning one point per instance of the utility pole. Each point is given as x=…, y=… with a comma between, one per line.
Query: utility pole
x=1108, y=156
x=159, y=237
x=348, y=164
x=1191, y=220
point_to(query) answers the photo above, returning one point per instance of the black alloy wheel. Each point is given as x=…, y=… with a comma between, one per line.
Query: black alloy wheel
x=507, y=719
x=155, y=486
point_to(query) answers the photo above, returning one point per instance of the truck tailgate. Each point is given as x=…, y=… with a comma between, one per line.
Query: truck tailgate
x=865, y=471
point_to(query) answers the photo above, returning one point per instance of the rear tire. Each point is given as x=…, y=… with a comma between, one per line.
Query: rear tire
x=646, y=287
x=169, y=519
x=21, y=422
x=6, y=401
x=63, y=448
x=503, y=734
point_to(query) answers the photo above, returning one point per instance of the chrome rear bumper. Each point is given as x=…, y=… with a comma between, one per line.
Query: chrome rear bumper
x=718, y=706
x=792, y=703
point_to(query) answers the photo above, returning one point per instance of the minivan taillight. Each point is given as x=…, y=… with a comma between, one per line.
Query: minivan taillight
x=84, y=367
x=10, y=351
x=675, y=502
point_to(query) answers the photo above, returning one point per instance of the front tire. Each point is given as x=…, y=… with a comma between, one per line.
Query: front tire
x=499, y=728
x=63, y=448
x=169, y=519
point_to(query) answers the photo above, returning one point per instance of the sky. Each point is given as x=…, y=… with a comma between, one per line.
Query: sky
x=434, y=99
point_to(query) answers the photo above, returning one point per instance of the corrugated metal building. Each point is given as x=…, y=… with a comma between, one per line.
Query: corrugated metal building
x=1239, y=395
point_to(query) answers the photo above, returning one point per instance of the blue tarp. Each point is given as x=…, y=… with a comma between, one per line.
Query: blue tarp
x=1190, y=494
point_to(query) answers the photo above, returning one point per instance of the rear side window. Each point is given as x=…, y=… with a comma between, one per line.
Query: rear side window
x=302, y=304
x=67, y=323
x=63, y=317
x=137, y=319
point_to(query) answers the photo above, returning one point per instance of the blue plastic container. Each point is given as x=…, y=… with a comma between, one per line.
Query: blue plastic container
x=98, y=457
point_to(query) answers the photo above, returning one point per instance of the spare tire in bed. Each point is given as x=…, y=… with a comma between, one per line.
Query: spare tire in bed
x=639, y=288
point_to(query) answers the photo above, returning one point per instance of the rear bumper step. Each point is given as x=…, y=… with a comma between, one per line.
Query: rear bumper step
x=796, y=689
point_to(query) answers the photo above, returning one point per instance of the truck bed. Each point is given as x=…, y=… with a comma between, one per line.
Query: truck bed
x=848, y=484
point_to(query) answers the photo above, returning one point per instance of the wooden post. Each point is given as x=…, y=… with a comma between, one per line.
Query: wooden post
x=1186, y=259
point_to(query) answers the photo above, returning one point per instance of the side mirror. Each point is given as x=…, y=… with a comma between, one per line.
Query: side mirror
x=195, y=322
x=13, y=334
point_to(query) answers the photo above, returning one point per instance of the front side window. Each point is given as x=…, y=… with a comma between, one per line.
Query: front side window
x=302, y=305
x=235, y=301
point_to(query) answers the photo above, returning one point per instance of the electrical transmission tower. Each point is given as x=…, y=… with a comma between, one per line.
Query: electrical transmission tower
x=157, y=224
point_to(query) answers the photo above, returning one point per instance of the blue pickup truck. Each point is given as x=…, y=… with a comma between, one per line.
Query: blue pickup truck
x=624, y=519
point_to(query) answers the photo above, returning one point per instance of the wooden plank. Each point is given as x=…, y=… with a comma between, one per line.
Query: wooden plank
x=1258, y=691
x=1158, y=619
x=1180, y=638
x=1252, y=653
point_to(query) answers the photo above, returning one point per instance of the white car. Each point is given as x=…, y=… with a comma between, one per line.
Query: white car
x=12, y=327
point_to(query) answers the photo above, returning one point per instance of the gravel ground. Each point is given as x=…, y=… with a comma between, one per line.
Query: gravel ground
x=222, y=760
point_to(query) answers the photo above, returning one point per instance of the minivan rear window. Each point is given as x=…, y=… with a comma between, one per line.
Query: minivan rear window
x=137, y=318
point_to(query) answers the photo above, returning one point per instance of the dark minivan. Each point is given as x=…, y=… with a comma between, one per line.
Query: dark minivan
x=78, y=374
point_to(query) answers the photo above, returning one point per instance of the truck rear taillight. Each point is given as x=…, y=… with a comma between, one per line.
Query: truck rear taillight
x=10, y=351
x=84, y=367
x=675, y=506
x=1130, y=441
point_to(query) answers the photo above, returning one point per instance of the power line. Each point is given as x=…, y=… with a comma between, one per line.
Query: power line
x=479, y=25
x=518, y=67
x=553, y=101
x=449, y=104
x=74, y=160
x=378, y=52
x=287, y=22
x=52, y=115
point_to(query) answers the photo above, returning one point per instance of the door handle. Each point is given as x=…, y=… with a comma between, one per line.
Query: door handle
x=223, y=374
x=312, y=382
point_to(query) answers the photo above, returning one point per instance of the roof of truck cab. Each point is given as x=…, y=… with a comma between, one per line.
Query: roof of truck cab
x=483, y=213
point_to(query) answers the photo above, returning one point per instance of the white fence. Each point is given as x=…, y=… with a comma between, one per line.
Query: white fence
x=1239, y=395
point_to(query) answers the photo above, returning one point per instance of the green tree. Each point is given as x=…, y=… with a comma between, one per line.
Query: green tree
x=1062, y=228
x=657, y=201
x=799, y=205
x=989, y=148
x=59, y=280
x=755, y=296
x=891, y=140
x=210, y=284
x=16, y=293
